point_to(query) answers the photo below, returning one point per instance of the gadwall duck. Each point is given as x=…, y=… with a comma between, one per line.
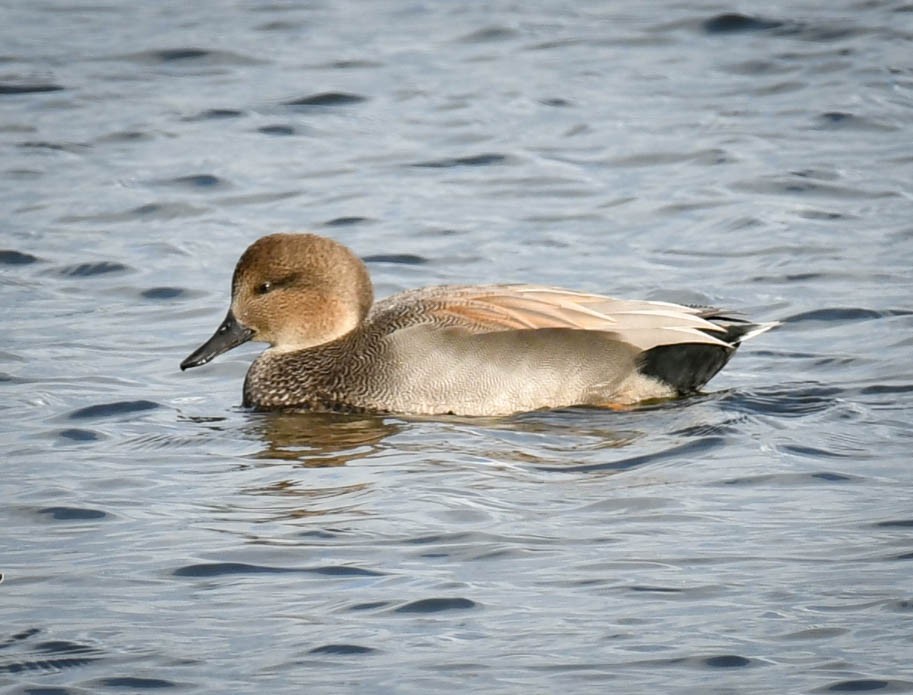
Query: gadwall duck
x=462, y=350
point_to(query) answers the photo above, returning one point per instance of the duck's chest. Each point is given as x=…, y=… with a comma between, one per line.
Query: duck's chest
x=306, y=380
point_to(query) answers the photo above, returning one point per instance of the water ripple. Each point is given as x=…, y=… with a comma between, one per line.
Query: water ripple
x=113, y=409
x=12, y=257
x=436, y=605
x=788, y=400
x=342, y=649
x=345, y=221
x=22, y=654
x=397, y=258
x=327, y=99
x=277, y=129
x=701, y=445
x=733, y=22
x=476, y=160
x=842, y=314
x=11, y=88
x=73, y=513
x=189, y=56
x=863, y=685
x=220, y=569
x=216, y=115
x=163, y=293
x=85, y=270
x=136, y=683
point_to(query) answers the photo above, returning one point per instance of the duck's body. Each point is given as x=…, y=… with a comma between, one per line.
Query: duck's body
x=465, y=350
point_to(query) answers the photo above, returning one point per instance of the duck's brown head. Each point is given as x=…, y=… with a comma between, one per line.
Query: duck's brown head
x=292, y=291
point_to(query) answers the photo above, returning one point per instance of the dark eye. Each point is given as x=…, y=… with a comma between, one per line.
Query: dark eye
x=278, y=283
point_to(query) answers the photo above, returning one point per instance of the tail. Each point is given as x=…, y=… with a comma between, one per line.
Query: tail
x=686, y=367
x=738, y=330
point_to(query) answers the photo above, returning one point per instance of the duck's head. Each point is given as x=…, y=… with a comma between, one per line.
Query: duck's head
x=292, y=291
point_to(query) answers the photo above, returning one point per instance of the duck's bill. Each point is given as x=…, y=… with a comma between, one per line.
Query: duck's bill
x=228, y=335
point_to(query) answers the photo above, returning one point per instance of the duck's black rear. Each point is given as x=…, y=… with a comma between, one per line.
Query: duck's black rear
x=686, y=367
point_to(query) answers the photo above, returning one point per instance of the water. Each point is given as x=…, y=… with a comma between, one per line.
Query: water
x=757, y=538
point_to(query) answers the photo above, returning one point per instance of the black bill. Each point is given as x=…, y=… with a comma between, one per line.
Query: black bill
x=227, y=336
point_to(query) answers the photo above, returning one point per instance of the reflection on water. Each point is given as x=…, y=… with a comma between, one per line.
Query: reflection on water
x=293, y=498
x=318, y=440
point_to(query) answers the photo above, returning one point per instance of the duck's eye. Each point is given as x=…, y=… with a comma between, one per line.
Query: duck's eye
x=276, y=283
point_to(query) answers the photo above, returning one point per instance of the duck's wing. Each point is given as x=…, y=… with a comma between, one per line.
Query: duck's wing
x=505, y=348
x=496, y=308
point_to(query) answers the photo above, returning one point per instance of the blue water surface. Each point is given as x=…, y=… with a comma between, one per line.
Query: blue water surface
x=754, y=538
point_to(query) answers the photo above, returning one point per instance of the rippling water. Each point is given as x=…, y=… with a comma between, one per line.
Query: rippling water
x=756, y=538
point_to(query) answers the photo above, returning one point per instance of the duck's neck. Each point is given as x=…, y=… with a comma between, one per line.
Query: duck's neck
x=307, y=378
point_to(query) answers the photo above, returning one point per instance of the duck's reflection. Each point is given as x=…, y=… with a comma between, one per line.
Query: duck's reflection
x=295, y=440
x=319, y=440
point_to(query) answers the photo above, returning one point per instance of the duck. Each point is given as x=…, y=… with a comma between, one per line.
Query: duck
x=465, y=350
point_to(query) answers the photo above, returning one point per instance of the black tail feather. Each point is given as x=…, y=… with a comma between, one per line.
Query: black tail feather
x=735, y=327
x=686, y=367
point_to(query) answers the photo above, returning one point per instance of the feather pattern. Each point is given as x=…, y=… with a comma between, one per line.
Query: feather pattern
x=643, y=324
